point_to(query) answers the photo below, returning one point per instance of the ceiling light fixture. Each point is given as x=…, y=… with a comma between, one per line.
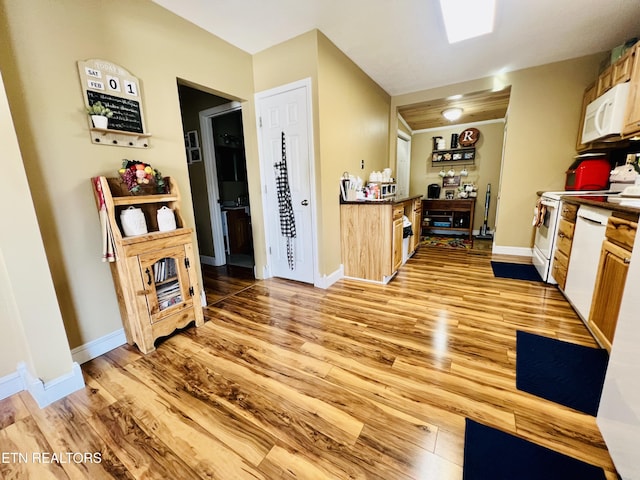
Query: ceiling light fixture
x=452, y=114
x=465, y=19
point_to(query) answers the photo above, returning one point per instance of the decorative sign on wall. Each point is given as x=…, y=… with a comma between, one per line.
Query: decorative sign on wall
x=119, y=91
x=469, y=137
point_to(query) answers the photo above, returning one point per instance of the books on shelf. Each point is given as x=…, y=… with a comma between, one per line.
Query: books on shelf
x=169, y=294
x=165, y=269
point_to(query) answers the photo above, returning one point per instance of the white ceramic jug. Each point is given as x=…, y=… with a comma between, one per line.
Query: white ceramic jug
x=166, y=219
x=133, y=222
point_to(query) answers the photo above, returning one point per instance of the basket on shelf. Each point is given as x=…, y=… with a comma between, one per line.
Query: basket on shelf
x=138, y=178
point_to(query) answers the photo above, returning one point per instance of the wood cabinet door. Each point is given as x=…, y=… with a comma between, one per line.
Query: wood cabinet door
x=632, y=115
x=607, y=295
x=397, y=244
x=416, y=225
x=239, y=227
x=166, y=281
x=589, y=96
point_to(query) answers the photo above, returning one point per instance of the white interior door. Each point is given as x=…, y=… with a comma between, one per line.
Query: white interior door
x=288, y=110
x=403, y=165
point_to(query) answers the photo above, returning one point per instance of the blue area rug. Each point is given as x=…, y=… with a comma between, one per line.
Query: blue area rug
x=563, y=372
x=517, y=271
x=491, y=454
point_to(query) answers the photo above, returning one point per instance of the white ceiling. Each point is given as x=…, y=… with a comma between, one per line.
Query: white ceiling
x=402, y=45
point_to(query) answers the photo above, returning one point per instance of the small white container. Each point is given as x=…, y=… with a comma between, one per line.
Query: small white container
x=166, y=219
x=133, y=222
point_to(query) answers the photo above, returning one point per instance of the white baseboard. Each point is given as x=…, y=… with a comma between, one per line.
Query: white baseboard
x=95, y=348
x=327, y=280
x=519, y=251
x=10, y=385
x=208, y=260
x=45, y=393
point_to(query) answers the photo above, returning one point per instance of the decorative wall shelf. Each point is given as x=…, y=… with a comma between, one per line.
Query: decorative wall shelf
x=466, y=155
x=106, y=136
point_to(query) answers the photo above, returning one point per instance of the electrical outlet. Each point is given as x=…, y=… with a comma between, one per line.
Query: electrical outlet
x=361, y=164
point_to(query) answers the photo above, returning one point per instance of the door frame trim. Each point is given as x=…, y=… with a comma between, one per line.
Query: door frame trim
x=267, y=219
x=211, y=175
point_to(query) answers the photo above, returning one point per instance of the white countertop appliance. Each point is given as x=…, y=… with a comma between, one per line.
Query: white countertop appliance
x=545, y=239
x=604, y=116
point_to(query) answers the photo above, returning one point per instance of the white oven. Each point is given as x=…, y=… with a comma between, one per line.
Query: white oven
x=544, y=245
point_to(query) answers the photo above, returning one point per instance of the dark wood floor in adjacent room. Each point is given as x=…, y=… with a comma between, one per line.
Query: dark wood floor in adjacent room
x=289, y=381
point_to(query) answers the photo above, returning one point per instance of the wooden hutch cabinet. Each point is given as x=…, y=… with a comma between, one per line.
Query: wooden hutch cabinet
x=154, y=274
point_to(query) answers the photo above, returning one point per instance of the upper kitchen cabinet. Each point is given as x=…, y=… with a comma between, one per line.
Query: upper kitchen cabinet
x=590, y=95
x=632, y=116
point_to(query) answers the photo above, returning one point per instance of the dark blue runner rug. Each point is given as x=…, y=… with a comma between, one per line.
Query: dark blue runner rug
x=517, y=271
x=491, y=454
x=563, y=372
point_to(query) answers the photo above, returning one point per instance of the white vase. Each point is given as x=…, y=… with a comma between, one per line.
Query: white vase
x=99, y=121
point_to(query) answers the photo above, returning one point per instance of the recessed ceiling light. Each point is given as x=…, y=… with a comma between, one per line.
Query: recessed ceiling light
x=465, y=19
x=455, y=97
x=452, y=114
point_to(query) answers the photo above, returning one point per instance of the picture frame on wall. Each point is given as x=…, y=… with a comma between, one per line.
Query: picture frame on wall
x=194, y=155
x=192, y=139
x=449, y=182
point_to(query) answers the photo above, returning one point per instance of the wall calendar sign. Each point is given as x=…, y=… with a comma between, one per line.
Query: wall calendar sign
x=119, y=91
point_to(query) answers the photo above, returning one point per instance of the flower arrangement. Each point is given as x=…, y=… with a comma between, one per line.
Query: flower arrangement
x=137, y=176
x=99, y=109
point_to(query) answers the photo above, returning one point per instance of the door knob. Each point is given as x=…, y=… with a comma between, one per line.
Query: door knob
x=304, y=202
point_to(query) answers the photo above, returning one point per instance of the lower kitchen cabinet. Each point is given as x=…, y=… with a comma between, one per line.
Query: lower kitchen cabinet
x=564, y=241
x=611, y=278
x=398, y=212
x=416, y=224
x=372, y=237
x=607, y=296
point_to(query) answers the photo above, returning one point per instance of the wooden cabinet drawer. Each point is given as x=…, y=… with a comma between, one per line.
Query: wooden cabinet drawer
x=398, y=211
x=559, y=268
x=621, y=232
x=565, y=236
x=569, y=211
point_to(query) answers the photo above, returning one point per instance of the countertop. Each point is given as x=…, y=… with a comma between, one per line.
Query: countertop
x=380, y=202
x=610, y=202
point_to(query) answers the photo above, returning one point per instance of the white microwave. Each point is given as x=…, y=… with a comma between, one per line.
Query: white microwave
x=605, y=115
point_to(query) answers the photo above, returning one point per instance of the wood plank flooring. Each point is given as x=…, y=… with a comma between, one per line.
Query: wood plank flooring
x=286, y=381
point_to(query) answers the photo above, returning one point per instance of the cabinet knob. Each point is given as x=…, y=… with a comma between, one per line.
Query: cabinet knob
x=626, y=260
x=304, y=202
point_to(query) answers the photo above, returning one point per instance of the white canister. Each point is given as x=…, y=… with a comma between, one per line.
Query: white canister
x=133, y=222
x=166, y=219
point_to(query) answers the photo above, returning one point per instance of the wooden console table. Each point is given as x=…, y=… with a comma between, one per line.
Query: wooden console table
x=448, y=215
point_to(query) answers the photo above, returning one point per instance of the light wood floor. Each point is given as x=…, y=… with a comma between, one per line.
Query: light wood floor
x=288, y=381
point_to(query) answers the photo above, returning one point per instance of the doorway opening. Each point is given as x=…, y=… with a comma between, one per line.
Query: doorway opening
x=214, y=152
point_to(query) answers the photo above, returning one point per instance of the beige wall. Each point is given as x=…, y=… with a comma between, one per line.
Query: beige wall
x=44, y=40
x=542, y=127
x=30, y=319
x=354, y=126
x=485, y=168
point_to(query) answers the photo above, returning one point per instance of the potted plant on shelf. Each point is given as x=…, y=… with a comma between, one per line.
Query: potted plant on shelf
x=100, y=115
